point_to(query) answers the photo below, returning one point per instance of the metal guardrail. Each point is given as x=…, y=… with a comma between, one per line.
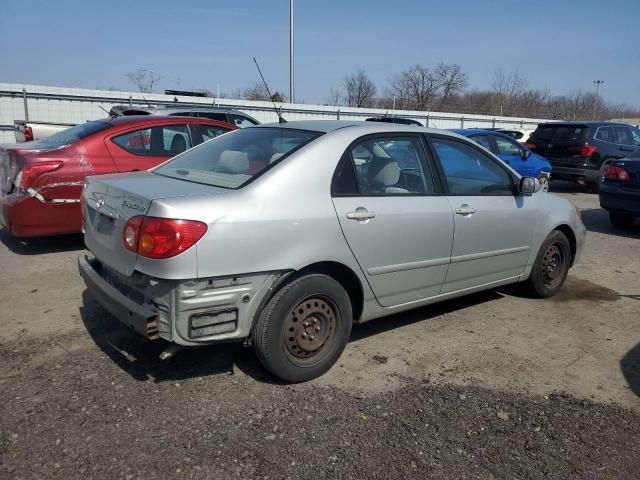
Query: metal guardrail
x=132, y=100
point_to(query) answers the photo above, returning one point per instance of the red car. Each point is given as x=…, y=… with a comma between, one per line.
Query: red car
x=41, y=182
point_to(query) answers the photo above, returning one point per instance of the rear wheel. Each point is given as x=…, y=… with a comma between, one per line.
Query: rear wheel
x=304, y=328
x=621, y=219
x=551, y=266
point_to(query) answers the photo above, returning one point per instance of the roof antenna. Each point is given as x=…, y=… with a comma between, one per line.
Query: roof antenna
x=279, y=112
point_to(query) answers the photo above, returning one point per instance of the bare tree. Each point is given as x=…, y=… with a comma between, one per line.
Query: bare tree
x=144, y=79
x=451, y=81
x=508, y=87
x=360, y=90
x=416, y=88
x=259, y=92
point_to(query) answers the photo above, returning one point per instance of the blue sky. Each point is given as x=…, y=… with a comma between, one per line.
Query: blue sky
x=562, y=45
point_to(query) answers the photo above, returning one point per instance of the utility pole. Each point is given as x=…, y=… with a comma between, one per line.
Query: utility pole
x=597, y=83
x=291, y=51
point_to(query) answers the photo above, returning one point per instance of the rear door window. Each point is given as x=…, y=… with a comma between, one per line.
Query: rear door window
x=507, y=147
x=157, y=141
x=393, y=165
x=624, y=135
x=635, y=133
x=483, y=140
x=605, y=134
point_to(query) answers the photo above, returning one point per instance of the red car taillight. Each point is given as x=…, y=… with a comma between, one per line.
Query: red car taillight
x=530, y=146
x=29, y=173
x=154, y=237
x=585, y=150
x=614, y=172
x=28, y=134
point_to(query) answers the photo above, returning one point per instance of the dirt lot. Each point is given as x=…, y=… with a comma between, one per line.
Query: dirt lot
x=491, y=386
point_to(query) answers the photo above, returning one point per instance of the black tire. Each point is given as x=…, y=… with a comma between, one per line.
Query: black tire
x=551, y=266
x=621, y=220
x=312, y=310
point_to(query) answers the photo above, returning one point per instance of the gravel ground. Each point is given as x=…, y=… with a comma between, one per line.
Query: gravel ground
x=78, y=417
x=492, y=386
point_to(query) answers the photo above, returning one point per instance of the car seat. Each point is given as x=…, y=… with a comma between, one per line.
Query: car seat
x=383, y=176
x=178, y=144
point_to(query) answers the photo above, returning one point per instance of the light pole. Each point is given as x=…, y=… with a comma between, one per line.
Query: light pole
x=597, y=83
x=291, y=51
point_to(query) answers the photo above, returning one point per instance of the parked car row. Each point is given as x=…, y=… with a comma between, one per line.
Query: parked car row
x=27, y=131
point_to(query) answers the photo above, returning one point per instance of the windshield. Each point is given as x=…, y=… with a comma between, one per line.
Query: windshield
x=73, y=134
x=561, y=133
x=234, y=159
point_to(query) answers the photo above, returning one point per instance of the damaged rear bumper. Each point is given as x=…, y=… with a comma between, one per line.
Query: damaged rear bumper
x=186, y=312
x=141, y=318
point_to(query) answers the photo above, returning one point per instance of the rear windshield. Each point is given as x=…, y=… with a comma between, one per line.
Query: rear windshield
x=73, y=134
x=234, y=159
x=561, y=133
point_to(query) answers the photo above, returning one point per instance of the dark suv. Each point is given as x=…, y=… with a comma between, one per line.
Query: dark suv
x=579, y=151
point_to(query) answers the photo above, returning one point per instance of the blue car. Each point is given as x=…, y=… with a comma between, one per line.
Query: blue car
x=513, y=153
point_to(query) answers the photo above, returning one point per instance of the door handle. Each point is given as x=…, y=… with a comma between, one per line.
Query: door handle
x=465, y=210
x=361, y=214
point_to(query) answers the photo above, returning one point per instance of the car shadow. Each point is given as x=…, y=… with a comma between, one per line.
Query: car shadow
x=560, y=186
x=139, y=357
x=597, y=220
x=429, y=312
x=42, y=245
x=630, y=366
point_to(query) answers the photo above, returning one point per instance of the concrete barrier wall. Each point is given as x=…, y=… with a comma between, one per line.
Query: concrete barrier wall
x=77, y=105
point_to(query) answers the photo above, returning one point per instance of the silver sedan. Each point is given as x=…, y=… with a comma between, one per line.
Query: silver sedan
x=284, y=235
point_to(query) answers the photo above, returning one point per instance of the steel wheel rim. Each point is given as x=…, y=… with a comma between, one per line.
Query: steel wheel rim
x=553, y=264
x=544, y=184
x=310, y=330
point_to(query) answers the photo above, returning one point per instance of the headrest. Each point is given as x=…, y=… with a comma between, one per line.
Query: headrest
x=233, y=161
x=178, y=144
x=383, y=172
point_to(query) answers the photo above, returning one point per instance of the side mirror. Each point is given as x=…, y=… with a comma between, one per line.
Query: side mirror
x=525, y=154
x=528, y=186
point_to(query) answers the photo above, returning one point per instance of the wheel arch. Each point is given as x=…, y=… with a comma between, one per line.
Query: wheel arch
x=346, y=277
x=571, y=236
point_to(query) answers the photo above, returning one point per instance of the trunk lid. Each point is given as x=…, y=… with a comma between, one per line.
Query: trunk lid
x=110, y=201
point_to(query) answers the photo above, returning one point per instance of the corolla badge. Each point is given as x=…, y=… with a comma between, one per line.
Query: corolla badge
x=134, y=205
x=99, y=203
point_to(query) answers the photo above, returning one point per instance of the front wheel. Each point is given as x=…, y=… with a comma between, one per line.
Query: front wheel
x=621, y=220
x=304, y=328
x=544, y=183
x=551, y=266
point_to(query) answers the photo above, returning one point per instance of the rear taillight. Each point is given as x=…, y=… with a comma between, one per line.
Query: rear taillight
x=154, y=237
x=530, y=145
x=585, y=150
x=614, y=172
x=28, y=134
x=29, y=173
